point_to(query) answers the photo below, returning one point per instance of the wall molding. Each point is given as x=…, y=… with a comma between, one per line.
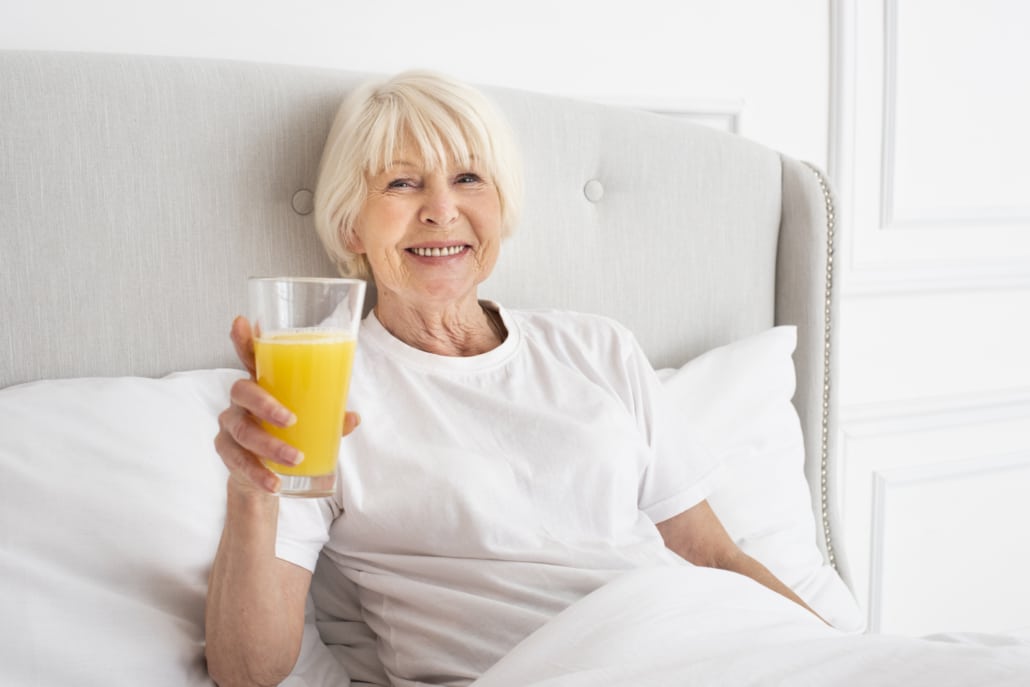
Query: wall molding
x=904, y=417
x=888, y=124
x=888, y=278
x=891, y=481
x=841, y=127
x=972, y=218
x=898, y=419
x=880, y=252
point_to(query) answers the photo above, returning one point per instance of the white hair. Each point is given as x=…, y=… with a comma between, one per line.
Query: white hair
x=446, y=119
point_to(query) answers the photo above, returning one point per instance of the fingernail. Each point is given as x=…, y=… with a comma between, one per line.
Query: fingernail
x=290, y=455
x=284, y=417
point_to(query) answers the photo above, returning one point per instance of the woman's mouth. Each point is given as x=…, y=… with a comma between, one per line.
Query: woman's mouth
x=437, y=252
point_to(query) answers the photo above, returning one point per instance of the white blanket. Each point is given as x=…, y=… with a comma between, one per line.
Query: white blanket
x=697, y=626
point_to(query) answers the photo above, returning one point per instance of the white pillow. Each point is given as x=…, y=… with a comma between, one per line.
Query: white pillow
x=112, y=505
x=738, y=400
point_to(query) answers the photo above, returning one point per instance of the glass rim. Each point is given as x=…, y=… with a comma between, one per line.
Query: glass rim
x=309, y=280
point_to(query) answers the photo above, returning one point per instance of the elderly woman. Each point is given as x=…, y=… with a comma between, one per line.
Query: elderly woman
x=509, y=463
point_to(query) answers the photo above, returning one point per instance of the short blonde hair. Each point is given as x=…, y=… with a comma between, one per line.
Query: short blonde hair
x=448, y=120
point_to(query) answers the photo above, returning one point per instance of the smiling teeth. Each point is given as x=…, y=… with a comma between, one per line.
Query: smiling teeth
x=437, y=252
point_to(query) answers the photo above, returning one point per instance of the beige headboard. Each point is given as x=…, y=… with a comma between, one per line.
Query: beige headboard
x=138, y=194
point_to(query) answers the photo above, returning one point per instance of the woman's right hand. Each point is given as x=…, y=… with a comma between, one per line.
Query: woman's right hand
x=241, y=441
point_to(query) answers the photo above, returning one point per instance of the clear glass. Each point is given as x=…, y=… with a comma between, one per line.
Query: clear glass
x=305, y=336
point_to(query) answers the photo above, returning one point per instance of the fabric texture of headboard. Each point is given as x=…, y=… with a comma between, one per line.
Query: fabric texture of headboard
x=138, y=194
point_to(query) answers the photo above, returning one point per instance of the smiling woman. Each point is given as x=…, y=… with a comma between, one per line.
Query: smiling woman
x=448, y=509
x=430, y=233
x=394, y=132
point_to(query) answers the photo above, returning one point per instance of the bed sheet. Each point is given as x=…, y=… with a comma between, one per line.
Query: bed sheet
x=698, y=626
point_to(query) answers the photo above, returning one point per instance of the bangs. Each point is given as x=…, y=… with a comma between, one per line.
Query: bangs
x=441, y=134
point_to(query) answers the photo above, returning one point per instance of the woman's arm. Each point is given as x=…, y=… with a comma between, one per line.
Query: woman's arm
x=255, y=601
x=697, y=535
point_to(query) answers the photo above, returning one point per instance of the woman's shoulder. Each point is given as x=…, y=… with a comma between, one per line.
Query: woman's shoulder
x=554, y=318
x=572, y=328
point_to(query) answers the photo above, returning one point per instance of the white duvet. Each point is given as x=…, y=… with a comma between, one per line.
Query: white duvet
x=696, y=626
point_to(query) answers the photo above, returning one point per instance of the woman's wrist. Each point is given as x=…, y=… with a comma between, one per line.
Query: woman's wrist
x=249, y=500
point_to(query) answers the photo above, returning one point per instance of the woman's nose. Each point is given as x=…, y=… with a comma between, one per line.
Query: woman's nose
x=440, y=208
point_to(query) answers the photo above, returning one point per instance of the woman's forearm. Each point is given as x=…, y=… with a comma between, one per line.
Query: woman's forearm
x=698, y=536
x=746, y=565
x=255, y=603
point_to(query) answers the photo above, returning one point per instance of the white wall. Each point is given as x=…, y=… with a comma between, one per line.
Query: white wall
x=918, y=110
x=929, y=155
x=676, y=54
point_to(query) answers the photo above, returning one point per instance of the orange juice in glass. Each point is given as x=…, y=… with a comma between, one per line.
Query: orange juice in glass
x=305, y=335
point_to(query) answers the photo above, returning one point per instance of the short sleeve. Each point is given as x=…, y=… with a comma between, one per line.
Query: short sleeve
x=681, y=472
x=303, y=530
x=679, y=459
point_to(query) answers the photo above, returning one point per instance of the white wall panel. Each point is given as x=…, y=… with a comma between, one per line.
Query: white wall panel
x=930, y=143
x=955, y=133
x=940, y=557
x=928, y=140
x=932, y=487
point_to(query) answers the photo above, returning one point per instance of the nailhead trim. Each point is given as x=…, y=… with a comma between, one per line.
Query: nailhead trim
x=824, y=440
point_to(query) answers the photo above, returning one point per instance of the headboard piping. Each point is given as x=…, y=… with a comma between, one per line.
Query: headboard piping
x=824, y=452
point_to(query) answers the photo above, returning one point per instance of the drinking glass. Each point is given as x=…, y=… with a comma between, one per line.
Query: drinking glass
x=305, y=335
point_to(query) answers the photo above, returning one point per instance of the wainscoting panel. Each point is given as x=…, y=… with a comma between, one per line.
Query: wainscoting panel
x=935, y=513
x=927, y=151
x=929, y=143
x=949, y=544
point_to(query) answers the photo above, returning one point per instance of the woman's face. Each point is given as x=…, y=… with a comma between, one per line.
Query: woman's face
x=431, y=236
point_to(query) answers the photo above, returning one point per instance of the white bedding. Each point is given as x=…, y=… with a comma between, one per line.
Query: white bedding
x=697, y=626
x=115, y=500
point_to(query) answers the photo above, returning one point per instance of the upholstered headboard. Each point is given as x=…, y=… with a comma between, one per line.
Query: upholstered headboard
x=139, y=193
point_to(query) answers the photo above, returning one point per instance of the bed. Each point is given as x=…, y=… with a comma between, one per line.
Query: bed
x=139, y=193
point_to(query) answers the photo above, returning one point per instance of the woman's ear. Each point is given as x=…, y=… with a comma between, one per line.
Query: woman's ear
x=352, y=241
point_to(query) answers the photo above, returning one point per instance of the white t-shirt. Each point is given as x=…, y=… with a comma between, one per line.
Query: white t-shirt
x=482, y=495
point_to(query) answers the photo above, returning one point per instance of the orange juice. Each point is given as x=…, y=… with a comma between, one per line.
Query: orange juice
x=309, y=373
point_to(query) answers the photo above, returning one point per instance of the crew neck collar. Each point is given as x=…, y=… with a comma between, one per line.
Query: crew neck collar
x=374, y=333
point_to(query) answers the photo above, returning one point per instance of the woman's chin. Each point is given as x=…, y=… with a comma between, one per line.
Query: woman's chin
x=434, y=290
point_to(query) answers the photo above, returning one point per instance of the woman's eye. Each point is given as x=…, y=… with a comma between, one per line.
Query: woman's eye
x=468, y=178
x=400, y=183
